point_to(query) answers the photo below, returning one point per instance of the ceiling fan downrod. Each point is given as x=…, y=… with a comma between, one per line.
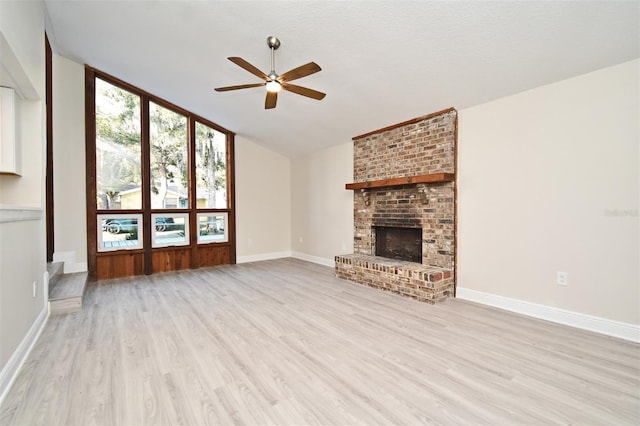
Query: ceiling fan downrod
x=274, y=44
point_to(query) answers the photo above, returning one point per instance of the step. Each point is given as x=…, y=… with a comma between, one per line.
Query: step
x=55, y=270
x=67, y=294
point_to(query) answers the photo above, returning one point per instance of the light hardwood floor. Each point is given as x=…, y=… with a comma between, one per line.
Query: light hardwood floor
x=285, y=342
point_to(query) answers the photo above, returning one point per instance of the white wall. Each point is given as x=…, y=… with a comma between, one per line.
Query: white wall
x=23, y=63
x=22, y=248
x=548, y=181
x=322, y=209
x=23, y=27
x=22, y=225
x=69, y=164
x=263, y=202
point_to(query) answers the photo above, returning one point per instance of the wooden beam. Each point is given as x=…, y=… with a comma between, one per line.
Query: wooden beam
x=408, y=180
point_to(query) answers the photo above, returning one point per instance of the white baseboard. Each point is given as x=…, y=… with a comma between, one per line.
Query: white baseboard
x=314, y=259
x=45, y=293
x=12, y=368
x=70, y=264
x=282, y=254
x=263, y=256
x=71, y=268
x=574, y=319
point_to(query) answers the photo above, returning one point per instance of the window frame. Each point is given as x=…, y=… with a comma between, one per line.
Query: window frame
x=155, y=243
x=106, y=217
x=189, y=149
x=225, y=237
x=148, y=248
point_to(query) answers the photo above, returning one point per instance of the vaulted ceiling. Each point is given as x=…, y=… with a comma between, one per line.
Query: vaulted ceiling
x=382, y=62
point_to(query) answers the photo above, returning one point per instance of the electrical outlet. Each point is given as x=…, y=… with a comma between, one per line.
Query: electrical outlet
x=300, y=240
x=35, y=286
x=562, y=278
x=250, y=241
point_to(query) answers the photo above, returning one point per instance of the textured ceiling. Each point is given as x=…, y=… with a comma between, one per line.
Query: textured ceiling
x=382, y=62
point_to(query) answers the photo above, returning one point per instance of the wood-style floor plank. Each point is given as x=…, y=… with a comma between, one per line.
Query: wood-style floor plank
x=285, y=342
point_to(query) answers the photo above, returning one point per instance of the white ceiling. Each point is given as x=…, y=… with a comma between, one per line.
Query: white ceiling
x=382, y=62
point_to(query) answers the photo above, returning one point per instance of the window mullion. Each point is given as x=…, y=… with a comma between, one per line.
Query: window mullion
x=146, y=187
x=193, y=188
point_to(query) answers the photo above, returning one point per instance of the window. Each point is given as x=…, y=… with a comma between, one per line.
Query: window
x=118, y=148
x=212, y=227
x=211, y=167
x=169, y=158
x=160, y=183
x=170, y=230
x=119, y=232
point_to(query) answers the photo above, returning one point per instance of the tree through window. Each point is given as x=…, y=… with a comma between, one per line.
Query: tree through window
x=118, y=148
x=169, y=158
x=211, y=167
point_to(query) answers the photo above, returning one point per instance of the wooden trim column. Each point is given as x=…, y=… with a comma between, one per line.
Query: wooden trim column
x=90, y=171
x=231, y=181
x=455, y=207
x=49, y=199
x=193, y=192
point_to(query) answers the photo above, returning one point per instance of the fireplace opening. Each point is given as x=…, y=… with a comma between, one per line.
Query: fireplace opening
x=399, y=243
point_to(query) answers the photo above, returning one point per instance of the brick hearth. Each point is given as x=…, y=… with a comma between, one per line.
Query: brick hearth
x=423, y=146
x=429, y=284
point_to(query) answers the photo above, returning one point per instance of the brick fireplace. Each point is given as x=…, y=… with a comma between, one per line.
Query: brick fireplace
x=404, y=180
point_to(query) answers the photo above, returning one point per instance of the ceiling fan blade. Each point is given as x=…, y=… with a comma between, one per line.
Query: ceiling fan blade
x=309, y=93
x=241, y=86
x=247, y=66
x=270, y=101
x=301, y=71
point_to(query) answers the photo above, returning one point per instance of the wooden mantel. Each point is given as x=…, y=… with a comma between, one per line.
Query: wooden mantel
x=384, y=183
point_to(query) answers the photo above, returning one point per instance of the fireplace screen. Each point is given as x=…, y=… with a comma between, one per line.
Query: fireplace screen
x=399, y=243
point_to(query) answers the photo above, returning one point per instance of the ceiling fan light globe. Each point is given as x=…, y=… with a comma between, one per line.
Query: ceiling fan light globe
x=273, y=86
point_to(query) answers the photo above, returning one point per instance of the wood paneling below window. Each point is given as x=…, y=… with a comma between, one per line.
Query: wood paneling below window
x=173, y=259
x=121, y=264
x=214, y=255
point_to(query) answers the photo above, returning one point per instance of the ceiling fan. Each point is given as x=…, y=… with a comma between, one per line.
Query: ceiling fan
x=274, y=82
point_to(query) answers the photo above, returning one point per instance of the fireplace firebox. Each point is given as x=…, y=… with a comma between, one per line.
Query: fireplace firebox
x=399, y=243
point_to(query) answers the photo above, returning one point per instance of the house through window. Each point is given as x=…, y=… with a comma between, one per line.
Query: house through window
x=159, y=193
